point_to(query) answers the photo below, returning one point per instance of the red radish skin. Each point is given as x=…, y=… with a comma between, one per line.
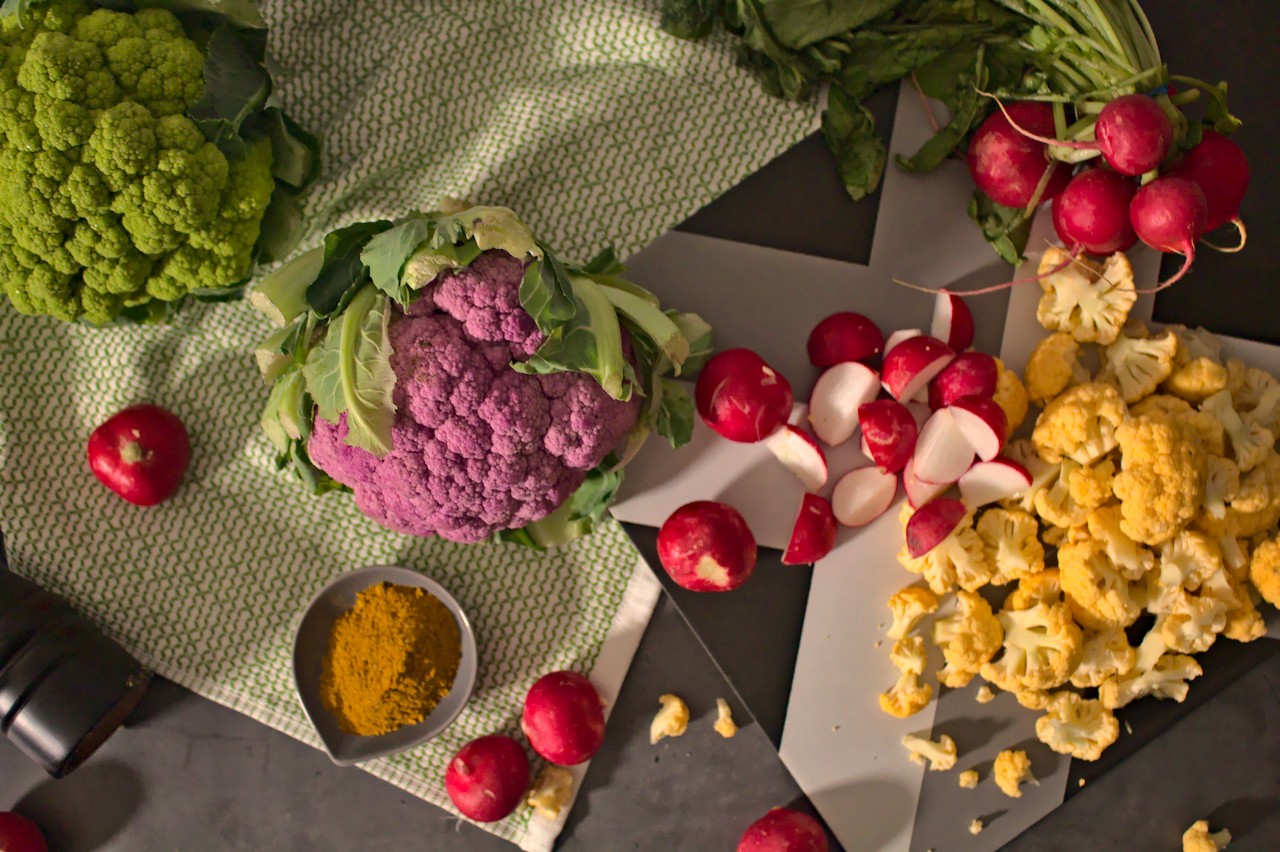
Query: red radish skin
x=814, y=532
x=918, y=491
x=783, y=830
x=889, y=433
x=931, y=524
x=19, y=834
x=912, y=364
x=862, y=495
x=943, y=452
x=989, y=481
x=1006, y=165
x=1169, y=214
x=899, y=336
x=983, y=423
x=844, y=337
x=563, y=718
x=1092, y=213
x=952, y=321
x=1219, y=168
x=140, y=453
x=1134, y=134
x=970, y=374
x=742, y=398
x=799, y=453
x=706, y=546
x=488, y=778
x=833, y=406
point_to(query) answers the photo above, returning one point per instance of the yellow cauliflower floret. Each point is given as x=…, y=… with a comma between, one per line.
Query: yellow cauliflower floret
x=1106, y=653
x=1154, y=673
x=1012, y=769
x=551, y=792
x=1131, y=559
x=908, y=654
x=1091, y=486
x=940, y=756
x=968, y=779
x=1012, y=541
x=968, y=638
x=1080, y=424
x=1221, y=485
x=672, y=720
x=1077, y=726
x=1160, y=403
x=1160, y=481
x=1043, y=474
x=909, y=606
x=1137, y=365
x=1011, y=396
x=1198, y=839
x=1044, y=587
x=1192, y=623
x=1196, y=380
x=1264, y=570
x=1053, y=366
x=1056, y=505
x=1251, y=442
x=1099, y=596
x=1244, y=621
x=1246, y=384
x=906, y=697
x=1040, y=651
x=957, y=560
x=1033, y=699
x=1089, y=299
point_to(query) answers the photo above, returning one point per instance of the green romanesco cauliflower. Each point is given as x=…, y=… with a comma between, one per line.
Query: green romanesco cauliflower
x=110, y=195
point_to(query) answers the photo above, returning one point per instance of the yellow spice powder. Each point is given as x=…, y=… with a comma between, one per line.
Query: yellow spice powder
x=391, y=659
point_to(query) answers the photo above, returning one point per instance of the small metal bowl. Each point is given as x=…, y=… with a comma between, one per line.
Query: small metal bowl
x=312, y=643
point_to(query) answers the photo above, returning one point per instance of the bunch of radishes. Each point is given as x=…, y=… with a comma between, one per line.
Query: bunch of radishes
x=1142, y=189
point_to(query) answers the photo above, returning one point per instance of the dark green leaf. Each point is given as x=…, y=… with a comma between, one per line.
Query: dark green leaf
x=576, y=517
x=343, y=269
x=1005, y=228
x=546, y=293
x=242, y=13
x=674, y=417
x=386, y=253
x=798, y=23
x=282, y=227
x=690, y=19
x=849, y=131
x=604, y=263
x=235, y=86
x=294, y=152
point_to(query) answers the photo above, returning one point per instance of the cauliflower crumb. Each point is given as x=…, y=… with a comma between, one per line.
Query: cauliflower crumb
x=984, y=695
x=1198, y=839
x=941, y=755
x=671, y=721
x=551, y=791
x=1081, y=784
x=725, y=726
x=976, y=826
x=968, y=779
x=1012, y=769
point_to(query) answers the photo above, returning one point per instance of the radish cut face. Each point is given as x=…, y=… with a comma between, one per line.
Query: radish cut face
x=983, y=423
x=991, y=481
x=800, y=454
x=943, y=452
x=862, y=495
x=912, y=364
x=931, y=524
x=952, y=321
x=918, y=491
x=814, y=533
x=833, y=407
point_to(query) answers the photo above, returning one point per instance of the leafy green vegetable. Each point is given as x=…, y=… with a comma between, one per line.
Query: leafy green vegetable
x=690, y=19
x=546, y=293
x=242, y=13
x=656, y=325
x=235, y=87
x=275, y=354
x=674, y=419
x=386, y=253
x=590, y=342
x=427, y=262
x=576, y=517
x=282, y=295
x=849, y=131
x=800, y=23
x=1005, y=228
x=697, y=331
x=343, y=269
x=350, y=371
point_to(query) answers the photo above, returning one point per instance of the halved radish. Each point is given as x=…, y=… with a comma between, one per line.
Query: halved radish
x=844, y=337
x=970, y=374
x=912, y=364
x=862, y=495
x=918, y=491
x=800, y=454
x=814, y=533
x=741, y=397
x=892, y=341
x=833, y=407
x=932, y=523
x=888, y=433
x=943, y=452
x=952, y=321
x=920, y=412
x=983, y=423
x=989, y=481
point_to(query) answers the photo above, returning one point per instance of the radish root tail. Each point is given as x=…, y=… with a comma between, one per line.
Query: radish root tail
x=1047, y=140
x=994, y=288
x=1187, y=259
x=1244, y=238
x=924, y=101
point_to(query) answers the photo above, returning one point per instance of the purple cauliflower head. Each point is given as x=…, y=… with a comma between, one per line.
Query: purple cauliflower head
x=476, y=447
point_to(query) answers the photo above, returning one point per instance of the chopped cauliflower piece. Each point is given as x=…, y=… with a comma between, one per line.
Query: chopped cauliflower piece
x=984, y=695
x=1131, y=559
x=1053, y=366
x=1194, y=623
x=968, y=638
x=1198, y=839
x=1255, y=508
x=1043, y=474
x=906, y=697
x=1080, y=424
x=957, y=560
x=1106, y=653
x=908, y=655
x=551, y=792
x=975, y=827
x=968, y=779
x=1160, y=480
x=1033, y=699
x=1197, y=343
x=1098, y=594
x=1012, y=769
x=1196, y=380
x=1055, y=504
x=1251, y=443
x=1091, y=486
x=1188, y=560
x=1042, y=588
x=1154, y=673
x=1041, y=649
x=671, y=721
x=1080, y=727
x=1012, y=541
x=1246, y=384
x=1138, y=365
x=1159, y=404
x=1087, y=298
x=1011, y=396
x=725, y=726
x=940, y=755
x=909, y=606
x=1221, y=485
x=1264, y=570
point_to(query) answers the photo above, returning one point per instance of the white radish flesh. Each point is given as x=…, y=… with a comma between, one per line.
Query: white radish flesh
x=983, y=423
x=943, y=452
x=839, y=391
x=800, y=454
x=862, y=495
x=991, y=481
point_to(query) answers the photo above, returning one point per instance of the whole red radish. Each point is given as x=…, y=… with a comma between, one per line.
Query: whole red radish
x=842, y=337
x=1133, y=134
x=488, y=778
x=140, y=453
x=970, y=374
x=1006, y=165
x=19, y=834
x=1169, y=214
x=814, y=533
x=1219, y=168
x=784, y=830
x=1092, y=213
x=707, y=547
x=563, y=718
x=741, y=397
x=889, y=433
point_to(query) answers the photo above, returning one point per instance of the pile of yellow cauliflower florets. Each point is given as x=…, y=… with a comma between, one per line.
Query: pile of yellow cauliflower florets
x=1154, y=503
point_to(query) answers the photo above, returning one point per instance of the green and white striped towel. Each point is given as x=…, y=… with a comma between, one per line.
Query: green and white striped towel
x=582, y=116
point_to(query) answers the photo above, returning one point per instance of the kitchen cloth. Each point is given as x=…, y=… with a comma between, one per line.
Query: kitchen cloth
x=586, y=119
